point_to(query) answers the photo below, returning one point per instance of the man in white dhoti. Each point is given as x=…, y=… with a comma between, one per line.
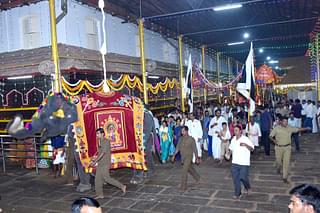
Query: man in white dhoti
x=254, y=132
x=195, y=130
x=215, y=127
x=314, y=118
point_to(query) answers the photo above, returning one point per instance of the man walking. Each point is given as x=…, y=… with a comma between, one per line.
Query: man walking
x=215, y=126
x=187, y=148
x=309, y=115
x=266, y=125
x=281, y=137
x=102, y=160
x=294, y=122
x=240, y=148
x=195, y=130
x=297, y=109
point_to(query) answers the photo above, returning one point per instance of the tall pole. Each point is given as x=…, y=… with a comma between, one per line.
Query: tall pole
x=218, y=75
x=143, y=61
x=54, y=47
x=181, y=73
x=229, y=75
x=235, y=89
x=203, y=48
x=318, y=61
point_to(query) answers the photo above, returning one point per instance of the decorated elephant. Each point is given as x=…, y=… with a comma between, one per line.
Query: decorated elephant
x=131, y=141
x=52, y=118
x=138, y=175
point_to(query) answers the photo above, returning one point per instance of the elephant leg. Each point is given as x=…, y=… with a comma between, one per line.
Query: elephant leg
x=70, y=164
x=149, y=157
x=134, y=177
x=140, y=177
x=84, y=177
x=137, y=177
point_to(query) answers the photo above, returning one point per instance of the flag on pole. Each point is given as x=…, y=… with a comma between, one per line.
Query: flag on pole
x=188, y=85
x=246, y=84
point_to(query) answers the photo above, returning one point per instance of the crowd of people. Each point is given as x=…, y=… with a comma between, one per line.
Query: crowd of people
x=212, y=126
x=226, y=131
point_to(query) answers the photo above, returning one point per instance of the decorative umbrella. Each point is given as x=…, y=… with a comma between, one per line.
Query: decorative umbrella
x=265, y=75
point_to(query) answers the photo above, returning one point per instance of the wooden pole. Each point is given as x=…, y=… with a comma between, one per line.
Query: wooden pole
x=181, y=74
x=54, y=47
x=229, y=76
x=143, y=61
x=204, y=72
x=218, y=75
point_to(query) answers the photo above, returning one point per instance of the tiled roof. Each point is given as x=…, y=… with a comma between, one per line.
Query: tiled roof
x=23, y=62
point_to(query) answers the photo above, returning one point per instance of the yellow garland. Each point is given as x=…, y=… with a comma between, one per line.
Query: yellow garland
x=117, y=86
x=287, y=89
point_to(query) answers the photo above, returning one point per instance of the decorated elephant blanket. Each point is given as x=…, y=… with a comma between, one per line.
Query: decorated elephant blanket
x=121, y=116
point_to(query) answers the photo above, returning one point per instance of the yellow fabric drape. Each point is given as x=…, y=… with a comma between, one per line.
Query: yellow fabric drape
x=125, y=80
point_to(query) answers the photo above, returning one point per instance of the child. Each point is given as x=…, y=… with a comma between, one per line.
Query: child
x=57, y=144
x=225, y=136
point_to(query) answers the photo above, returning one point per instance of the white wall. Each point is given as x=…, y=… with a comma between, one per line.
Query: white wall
x=122, y=38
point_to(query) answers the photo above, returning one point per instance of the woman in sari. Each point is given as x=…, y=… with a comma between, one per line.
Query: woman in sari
x=177, y=134
x=165, y=141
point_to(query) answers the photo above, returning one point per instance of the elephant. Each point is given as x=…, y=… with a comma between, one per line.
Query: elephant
x=138, y=175
x=52, y=118
x=56, y=117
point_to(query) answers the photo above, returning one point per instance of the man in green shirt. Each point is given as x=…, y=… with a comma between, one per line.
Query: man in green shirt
x=281, y=137
x=187, y=148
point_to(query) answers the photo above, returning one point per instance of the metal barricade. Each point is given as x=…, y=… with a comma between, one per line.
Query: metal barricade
x=7, y=140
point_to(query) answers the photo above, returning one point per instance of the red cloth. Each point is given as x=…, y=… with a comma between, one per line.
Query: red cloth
x=125, y=114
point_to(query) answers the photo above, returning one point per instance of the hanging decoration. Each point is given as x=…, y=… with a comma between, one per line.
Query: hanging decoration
x=199, y=80
x=285, y=90
x=103, y=49
x=117, y=85
x=315, y=31
x=25, y=97
x=313, y=53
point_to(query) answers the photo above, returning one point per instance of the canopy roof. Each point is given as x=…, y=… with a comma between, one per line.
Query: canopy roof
x=281, y=27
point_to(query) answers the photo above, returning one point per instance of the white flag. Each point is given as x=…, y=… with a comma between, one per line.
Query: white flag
x=188, y=85
x=246, y=85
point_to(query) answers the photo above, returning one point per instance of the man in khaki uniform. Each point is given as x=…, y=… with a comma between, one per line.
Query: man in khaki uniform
x=102, y=160
x=187, y=148
x=281, y=137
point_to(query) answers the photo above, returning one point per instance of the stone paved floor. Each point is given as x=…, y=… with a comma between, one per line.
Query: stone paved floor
x=24, y=191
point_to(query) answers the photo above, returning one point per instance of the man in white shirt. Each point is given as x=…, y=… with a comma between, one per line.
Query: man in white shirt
x=314, y=118
x=195, y=130
x=215, y=126
x=241, y=148
x=309, y=115
x=293, y=122
x=253, y=131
